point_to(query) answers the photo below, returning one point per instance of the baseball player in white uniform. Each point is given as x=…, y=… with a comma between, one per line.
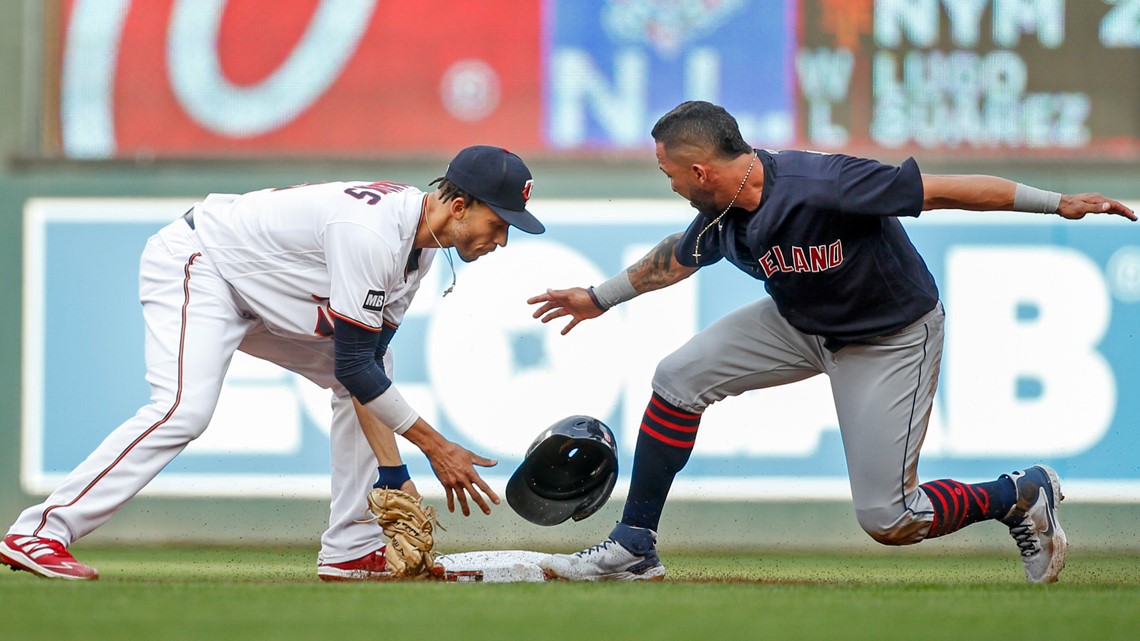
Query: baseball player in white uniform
x=315, y=278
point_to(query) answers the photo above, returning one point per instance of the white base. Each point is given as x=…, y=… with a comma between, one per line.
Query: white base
x=491, y=566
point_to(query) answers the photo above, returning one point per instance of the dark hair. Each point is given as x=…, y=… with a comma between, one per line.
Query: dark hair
x=703, y=125
x=449, y=190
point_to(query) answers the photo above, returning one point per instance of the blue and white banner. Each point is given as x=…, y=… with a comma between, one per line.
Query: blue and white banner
x=615, y=66
x=1040, y=353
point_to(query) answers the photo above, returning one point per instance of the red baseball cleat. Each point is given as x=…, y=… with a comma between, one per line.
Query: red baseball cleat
x=370, y=567
x=43, y=557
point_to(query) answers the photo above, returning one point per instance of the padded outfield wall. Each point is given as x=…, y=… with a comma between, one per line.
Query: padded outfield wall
x=1024, y=294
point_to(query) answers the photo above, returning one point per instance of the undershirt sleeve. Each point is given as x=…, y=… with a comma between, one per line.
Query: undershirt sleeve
x=359, y=360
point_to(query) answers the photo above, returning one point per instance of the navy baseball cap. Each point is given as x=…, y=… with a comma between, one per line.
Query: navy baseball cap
x=500, y=179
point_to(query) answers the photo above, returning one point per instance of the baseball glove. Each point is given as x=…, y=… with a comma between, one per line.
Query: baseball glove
x=408, y=526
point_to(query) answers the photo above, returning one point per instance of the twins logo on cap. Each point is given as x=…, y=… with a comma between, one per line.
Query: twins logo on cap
x=499, y=179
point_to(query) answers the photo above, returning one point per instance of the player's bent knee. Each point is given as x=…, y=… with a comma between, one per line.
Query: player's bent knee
x=187, y=421
x=891, y=529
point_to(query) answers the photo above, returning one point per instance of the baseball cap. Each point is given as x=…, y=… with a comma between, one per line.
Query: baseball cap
x=500, y=179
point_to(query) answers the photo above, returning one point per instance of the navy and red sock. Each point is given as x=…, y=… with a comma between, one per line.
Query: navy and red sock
x=958, y=504
x=664, y=444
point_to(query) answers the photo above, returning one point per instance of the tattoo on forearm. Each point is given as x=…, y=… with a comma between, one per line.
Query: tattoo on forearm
x=657, y=269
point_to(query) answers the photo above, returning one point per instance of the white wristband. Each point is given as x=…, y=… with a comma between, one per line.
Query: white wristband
x=1038, y=201
x=615, y=290
x=392, y=410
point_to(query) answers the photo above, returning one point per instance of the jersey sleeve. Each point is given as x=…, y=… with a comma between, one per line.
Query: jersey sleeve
x=710, y=250
x=360, y=265
x=871, y=188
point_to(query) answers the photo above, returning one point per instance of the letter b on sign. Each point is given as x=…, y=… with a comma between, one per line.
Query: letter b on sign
x=1023, y=372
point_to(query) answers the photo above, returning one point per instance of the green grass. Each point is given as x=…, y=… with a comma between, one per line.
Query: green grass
x=238, y=593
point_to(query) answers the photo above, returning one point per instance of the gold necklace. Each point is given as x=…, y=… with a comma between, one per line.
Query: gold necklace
x=716, y=221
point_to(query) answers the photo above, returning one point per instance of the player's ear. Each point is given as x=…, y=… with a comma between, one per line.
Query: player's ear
x=700, y=173
x=457, y=208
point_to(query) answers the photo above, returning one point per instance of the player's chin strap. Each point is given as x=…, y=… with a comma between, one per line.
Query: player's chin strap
x=450, y=263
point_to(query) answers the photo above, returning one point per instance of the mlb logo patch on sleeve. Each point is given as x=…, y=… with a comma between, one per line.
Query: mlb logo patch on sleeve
x=374, y=301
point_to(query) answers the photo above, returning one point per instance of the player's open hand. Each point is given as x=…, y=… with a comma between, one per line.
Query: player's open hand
x=556, y=303
x=454, y=465
x=1076, y=206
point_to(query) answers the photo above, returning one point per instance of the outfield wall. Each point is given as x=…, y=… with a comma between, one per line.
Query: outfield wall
x=1036, y=366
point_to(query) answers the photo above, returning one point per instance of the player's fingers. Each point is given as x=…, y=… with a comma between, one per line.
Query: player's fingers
x=478, y=498
x=1118, y=208
x=534, y=300
x=557, y=313
x=489, y=492
x=570, y=326
x=450, y=500
x=463, y=501
x=482, y=461
x=542, y=310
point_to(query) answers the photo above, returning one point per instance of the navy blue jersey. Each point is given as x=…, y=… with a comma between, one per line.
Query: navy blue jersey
x=827, y=243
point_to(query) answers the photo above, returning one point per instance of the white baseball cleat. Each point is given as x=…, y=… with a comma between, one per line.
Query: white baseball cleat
x=610, y=560
x=43, y=557
x=1034, y=525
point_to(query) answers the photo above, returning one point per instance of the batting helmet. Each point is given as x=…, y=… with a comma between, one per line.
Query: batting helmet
x=568, y=472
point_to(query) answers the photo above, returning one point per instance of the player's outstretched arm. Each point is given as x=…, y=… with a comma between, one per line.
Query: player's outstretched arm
x=991, y=193
x=656, y=270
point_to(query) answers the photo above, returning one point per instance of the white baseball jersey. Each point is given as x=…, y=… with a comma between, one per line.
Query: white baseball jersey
x=295, y=254
x=262, y=272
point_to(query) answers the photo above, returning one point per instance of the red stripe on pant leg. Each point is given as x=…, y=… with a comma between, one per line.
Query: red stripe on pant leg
x=152, y=428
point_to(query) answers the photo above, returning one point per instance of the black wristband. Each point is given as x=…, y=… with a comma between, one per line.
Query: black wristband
x=392, y=476
x=594, y=297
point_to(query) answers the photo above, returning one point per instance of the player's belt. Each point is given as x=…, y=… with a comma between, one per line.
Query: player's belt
x=189, y=218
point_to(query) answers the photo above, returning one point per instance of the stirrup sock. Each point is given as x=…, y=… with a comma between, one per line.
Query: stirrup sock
x=663, y=448
x=957, y=504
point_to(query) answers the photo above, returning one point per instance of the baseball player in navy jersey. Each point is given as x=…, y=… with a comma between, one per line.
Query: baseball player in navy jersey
x=849, y=297
x=315, y=278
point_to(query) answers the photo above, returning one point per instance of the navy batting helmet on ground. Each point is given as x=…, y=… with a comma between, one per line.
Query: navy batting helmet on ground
x=569, y=472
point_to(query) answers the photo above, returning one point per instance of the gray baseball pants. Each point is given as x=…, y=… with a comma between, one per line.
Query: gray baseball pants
x=883, y=391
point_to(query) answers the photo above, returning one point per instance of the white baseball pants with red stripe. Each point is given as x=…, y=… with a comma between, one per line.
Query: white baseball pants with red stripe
x=194, y=323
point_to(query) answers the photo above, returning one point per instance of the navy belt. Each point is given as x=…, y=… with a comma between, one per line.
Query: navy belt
x=189, y=218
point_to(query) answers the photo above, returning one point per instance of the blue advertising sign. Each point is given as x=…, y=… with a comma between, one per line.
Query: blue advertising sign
x=615, y=66
x=1040, y=348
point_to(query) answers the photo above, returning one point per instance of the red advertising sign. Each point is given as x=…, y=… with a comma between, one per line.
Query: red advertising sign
x=177, y=78
x=985, y=79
